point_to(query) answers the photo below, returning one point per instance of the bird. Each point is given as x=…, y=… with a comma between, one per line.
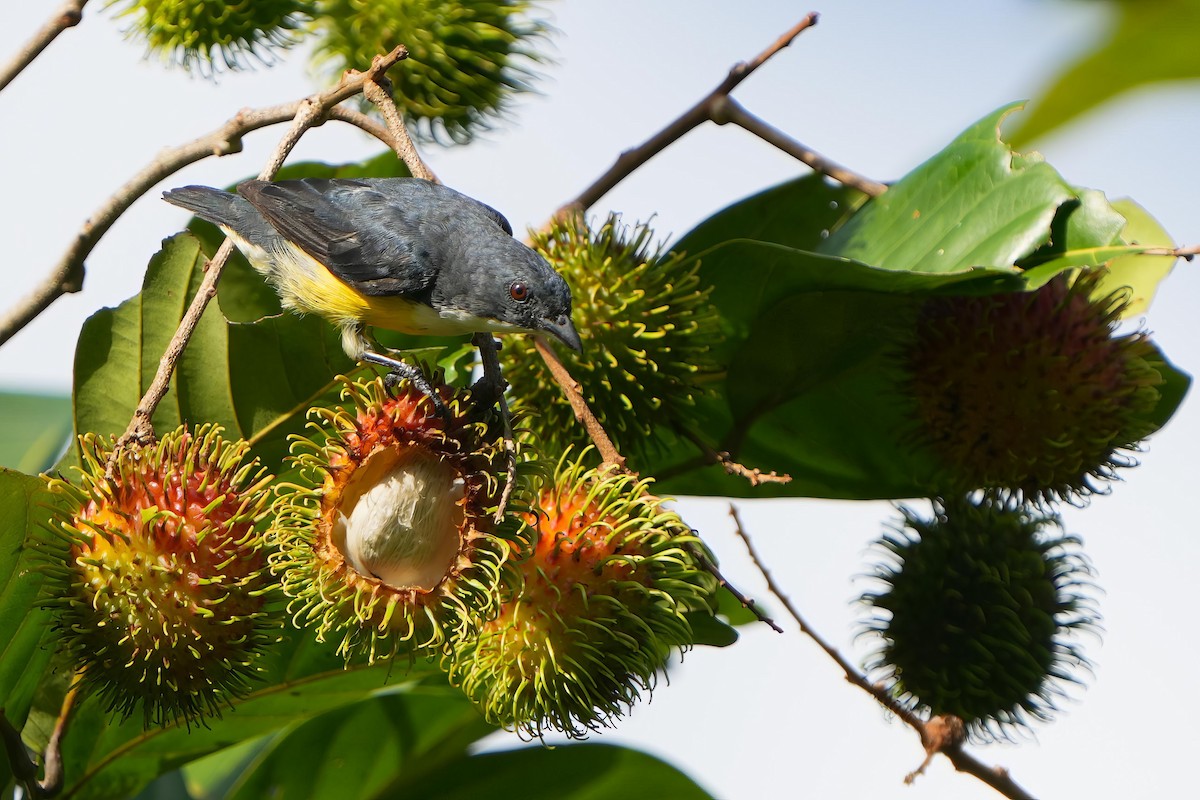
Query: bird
x=403, y=254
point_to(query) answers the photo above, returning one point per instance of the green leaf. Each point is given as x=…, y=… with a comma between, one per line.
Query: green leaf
x=350, y=753
x=567, y=772
x=1172, y=390
x=711, y=631
x=1150, y=41
x=974, y=204
x=1141, y=273
x=106, y=758
x=34, y=429
x=25, y=504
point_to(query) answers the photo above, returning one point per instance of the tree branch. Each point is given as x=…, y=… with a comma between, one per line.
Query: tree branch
x=702, y=112
x=726, y=109
x=754, y=475
x=67, y=275
x=310, y=112
x=935, y=737
x=379, y=91
x=68, y=16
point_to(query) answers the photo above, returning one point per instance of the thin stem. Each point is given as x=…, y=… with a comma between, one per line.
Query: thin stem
x=68, y=16
x=754, y=475
x=630, y=160
x=309, y=113
x=996, y=777
x=67, y=275
x=570, y=387
x=730, y=110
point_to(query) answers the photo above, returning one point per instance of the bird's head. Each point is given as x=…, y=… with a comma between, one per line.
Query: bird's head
x=514, y=288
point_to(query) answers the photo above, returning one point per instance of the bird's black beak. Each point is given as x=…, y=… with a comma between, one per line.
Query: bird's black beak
x=564, y=330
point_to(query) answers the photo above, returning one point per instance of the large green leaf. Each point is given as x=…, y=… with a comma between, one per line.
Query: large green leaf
x=572, y=772
x=34, y=429
x=974, y=204
x=1150, y=41
x=351, y=753
x=25, y=506
x=107, y=758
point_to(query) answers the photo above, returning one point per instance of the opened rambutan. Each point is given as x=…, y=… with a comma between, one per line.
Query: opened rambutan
x=648, y=332
x=1030, y=394
x=161, y=596
x=978, y=614
x=386, y=532
x=606, y=593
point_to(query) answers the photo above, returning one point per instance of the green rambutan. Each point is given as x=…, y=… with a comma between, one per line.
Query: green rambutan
x=1030, y=394
x=604, y=601
x=385, y=533
x=467, y=58
x=648, y=332
x=978, y=613
x=161, y=598
x=196, y=33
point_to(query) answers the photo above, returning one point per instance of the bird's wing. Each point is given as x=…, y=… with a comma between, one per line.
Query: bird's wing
x=361, y=235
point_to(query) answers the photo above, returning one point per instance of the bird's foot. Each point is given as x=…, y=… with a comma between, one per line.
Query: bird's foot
x=399, y=371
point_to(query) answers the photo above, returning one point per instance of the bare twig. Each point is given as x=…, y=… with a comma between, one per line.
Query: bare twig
x=68, y=16
x=726, y=109
x=570, y=387
x=378, y=90
x=67, y=275
x=309, y=113
x=703, y=111
x=754, y=475
x=933, y=738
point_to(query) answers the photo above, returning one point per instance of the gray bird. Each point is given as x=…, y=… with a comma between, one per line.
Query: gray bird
x=398, y=253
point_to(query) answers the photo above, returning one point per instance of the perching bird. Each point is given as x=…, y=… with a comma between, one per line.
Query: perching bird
x=397, y=253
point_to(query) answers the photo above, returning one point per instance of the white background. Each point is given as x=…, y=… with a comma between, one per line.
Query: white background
x=879, y=85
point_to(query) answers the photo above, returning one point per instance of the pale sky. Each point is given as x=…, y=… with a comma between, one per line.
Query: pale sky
x=879, y=85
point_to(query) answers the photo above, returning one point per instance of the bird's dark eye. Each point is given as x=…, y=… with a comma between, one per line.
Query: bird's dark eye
x=519, y=292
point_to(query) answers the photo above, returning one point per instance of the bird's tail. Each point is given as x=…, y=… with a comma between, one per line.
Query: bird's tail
x=228, y=210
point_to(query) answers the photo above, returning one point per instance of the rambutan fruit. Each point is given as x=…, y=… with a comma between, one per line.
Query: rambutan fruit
x=161, y=597
x=605, y=599
x=467, y=58
x=978, y=614
x=196, y=33
x=386, y=534
x=1031, y=394
x=648, y=332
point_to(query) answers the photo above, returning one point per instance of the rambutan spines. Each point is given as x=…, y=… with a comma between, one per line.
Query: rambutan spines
x=978, y=614
x=648, y=331
x=386, y=534
x=604, y=601
x=162, y=594
x=206, y=35
x=1031, y=395
x=468, y=58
